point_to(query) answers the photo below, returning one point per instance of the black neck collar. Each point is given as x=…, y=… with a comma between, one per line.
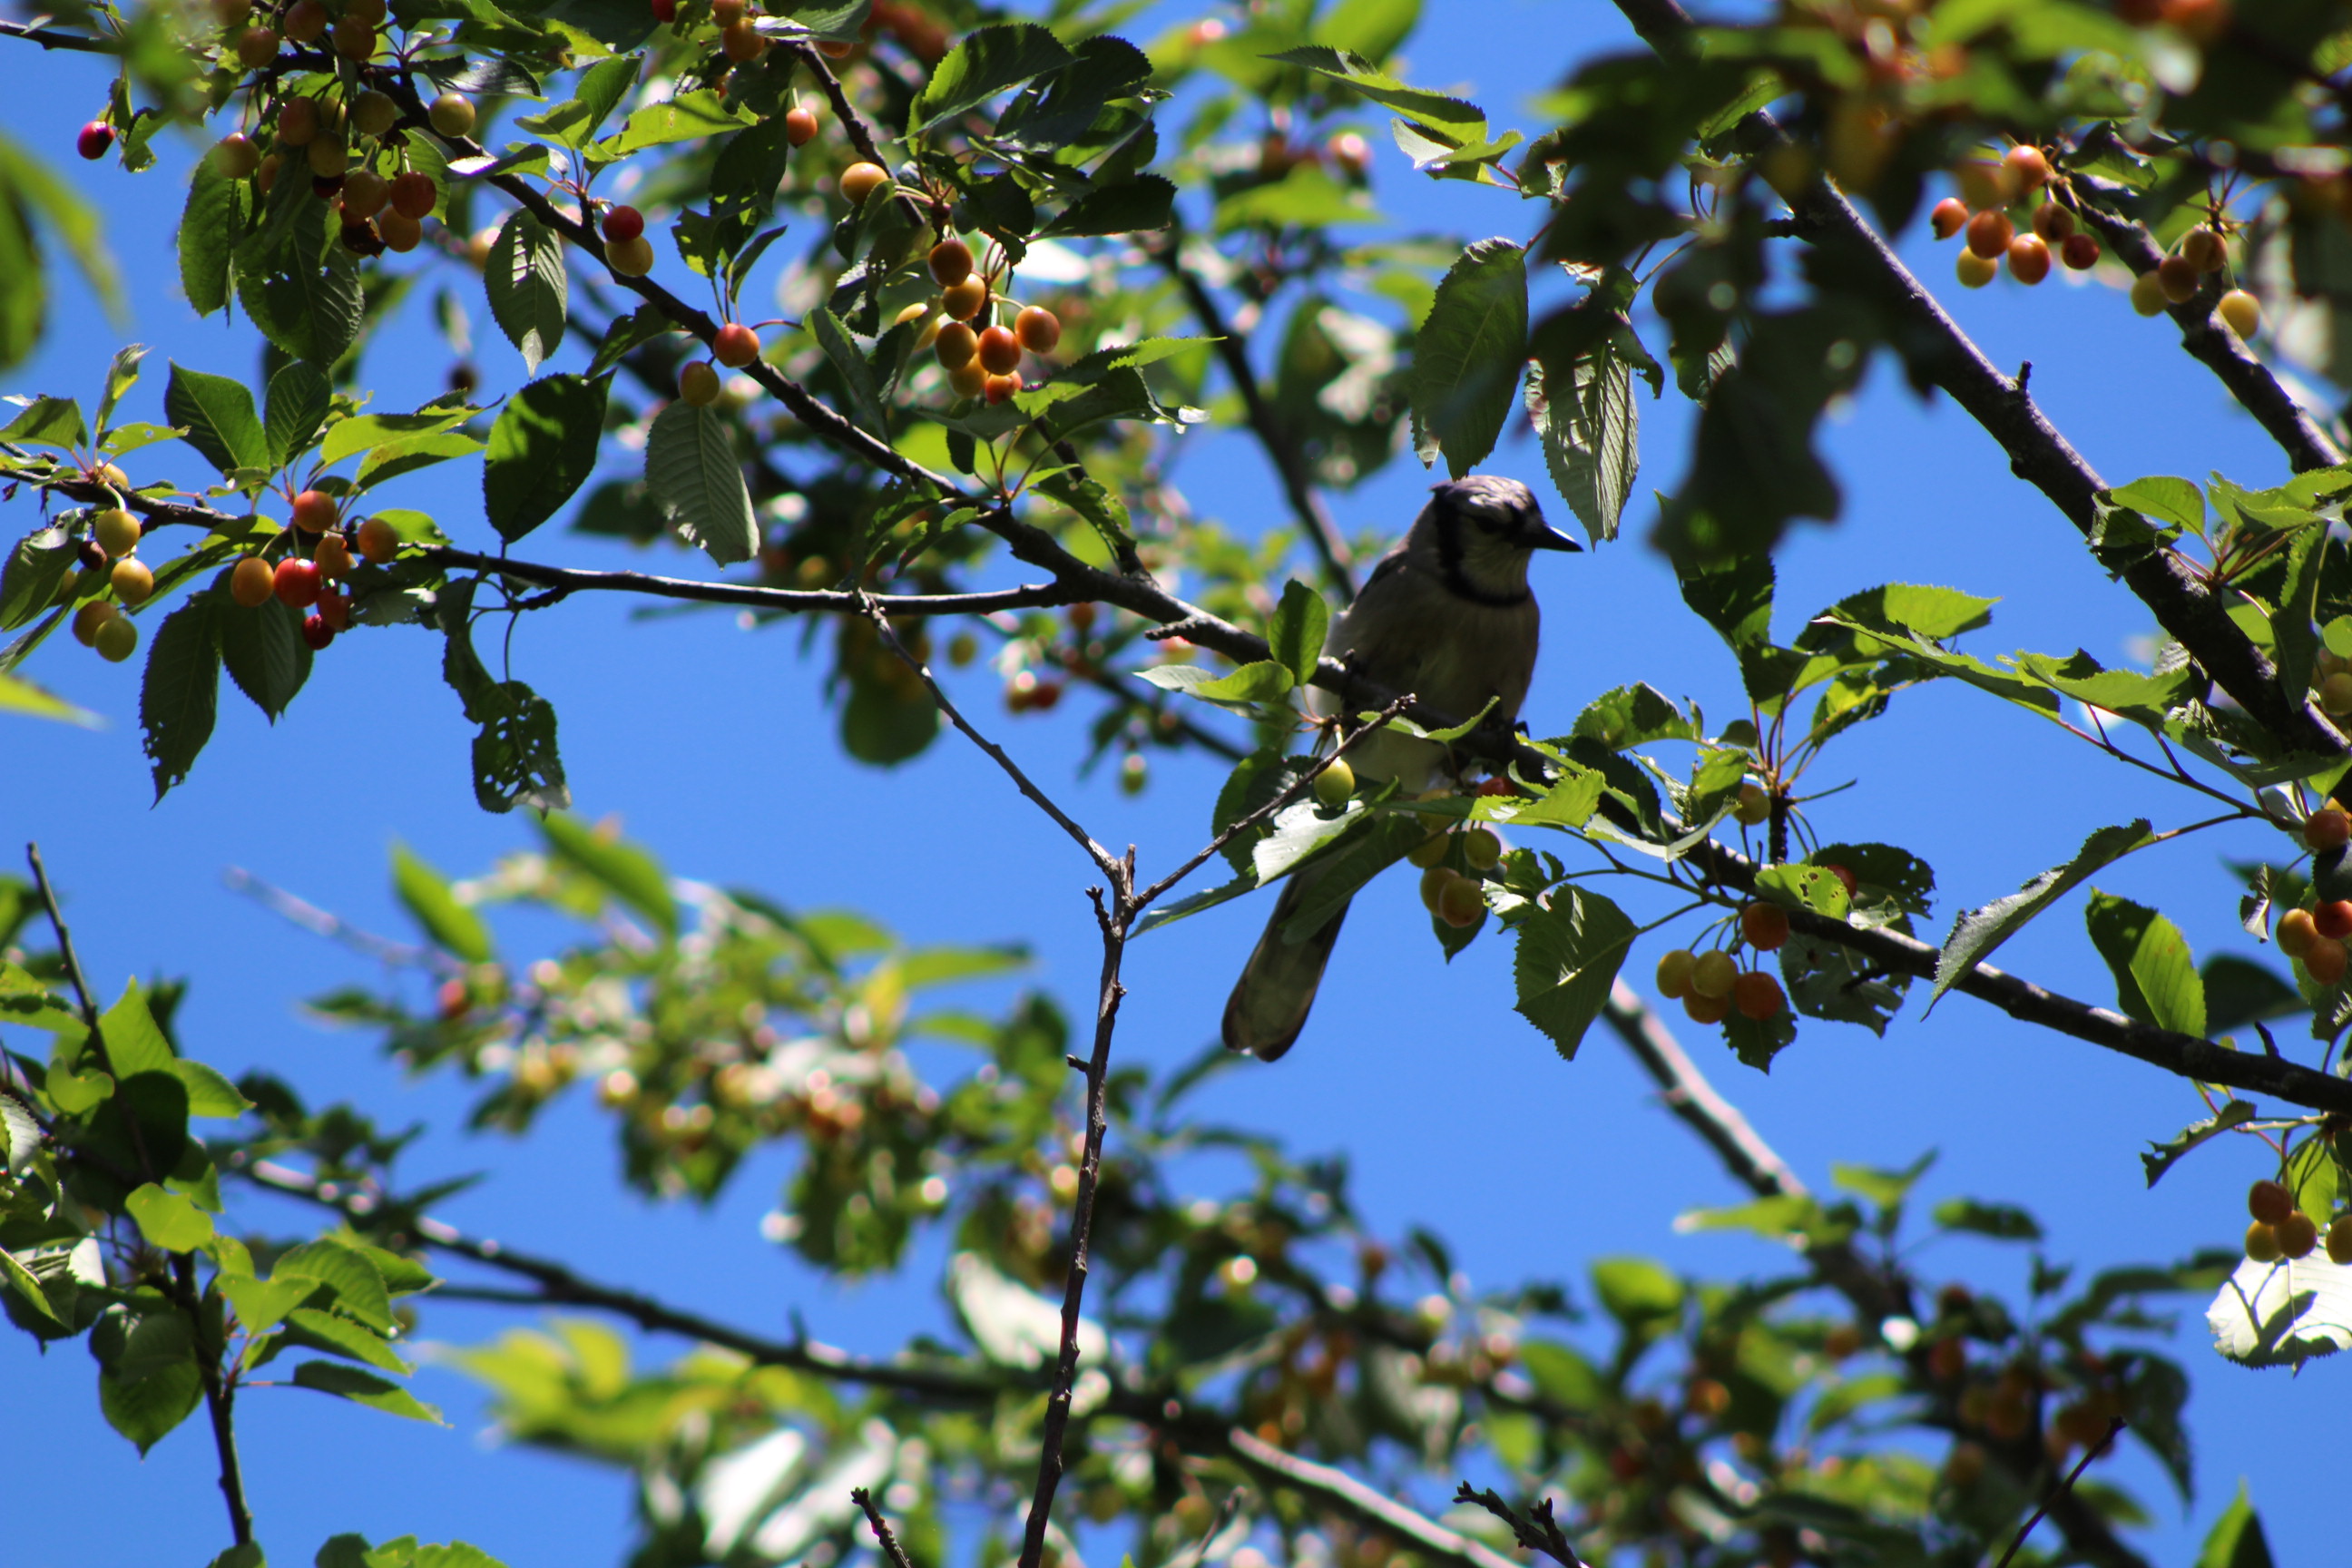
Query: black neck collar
x=1457, y=581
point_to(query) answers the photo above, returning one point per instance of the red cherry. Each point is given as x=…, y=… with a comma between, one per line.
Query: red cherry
x=317, y=632
x=1845, y=877
x=297, y=583
x=1950, y=217
x=624, y=224
x=95, y=139
x=735, y=345
x=2333, y=919
x=314, y=511
x=2080, y=252
x=665, y=11
x=800, y=125
x=1000, y=351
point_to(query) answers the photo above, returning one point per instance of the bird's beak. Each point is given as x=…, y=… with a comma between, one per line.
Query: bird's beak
x=1550, y=538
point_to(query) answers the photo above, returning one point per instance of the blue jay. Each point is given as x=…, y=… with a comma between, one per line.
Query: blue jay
x=1448, y=616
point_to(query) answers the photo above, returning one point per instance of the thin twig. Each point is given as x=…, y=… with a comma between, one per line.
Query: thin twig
x=2114, y=1425
x=1297, y=788
x=881, y=1528
x=1538, y=1531
x=780, y=601
x=1114, y=919
x=871, y=608
x=50, y=39
x=1688, y=1093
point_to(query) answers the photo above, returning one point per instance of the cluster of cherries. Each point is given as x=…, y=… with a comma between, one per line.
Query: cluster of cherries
x=1711, y=986
x=311, y=582
x=107, y=554
x=2282, y=1230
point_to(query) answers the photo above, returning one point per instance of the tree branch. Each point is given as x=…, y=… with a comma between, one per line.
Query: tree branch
x=568, y=579
x=881, y=1528
x=1281, y=447
x=2183, y=604
x=2300, y=436
x=49, y=38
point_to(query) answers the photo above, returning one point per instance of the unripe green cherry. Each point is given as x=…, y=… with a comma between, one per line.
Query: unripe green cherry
x=1481, y=851
x=1334, y=784
x=117, y=532
x=452, y=114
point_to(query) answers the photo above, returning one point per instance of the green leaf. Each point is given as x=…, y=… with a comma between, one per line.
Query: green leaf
x=1135, y=206
x=146, y=1408
x=297, y=404
x=2156, y=976
x=1978, y=931
x=1633, y=716
x=364, y=1388
x=302, y=288
x=2166, y=499
x=1306, y=197
x=135, y=1043
x=528, y=286
x=121, y=376
x=1569, y=953
x=865, y=396
x=627, y=871
x=1103, y=510
x=35, y=567
x=209, y=1093
x=687, y=118
x=340, y=1336
x=2239, y=991
x=180, y=694
x=1636, y=1292
x=1468, y=355
x=1295, y=634
x=2003, y=1222
x=210, y=227
x=691, y=470
x=29, y=189
x=1459, y=122
x=984, y=63
x=262, y=1304
x=168, y=1220
x=1264, y=681
x=357, y=1283
x=596, y=93
x=48, y=422
x=262, y=648
x=1590, y=439
x=2236, y=1539
x=28, y=1289
x=368, y=431
x=2162, y=1157
x=394, y=459
x=217, y=413
x=452, y=926
x=18, y=695
x=542, y=450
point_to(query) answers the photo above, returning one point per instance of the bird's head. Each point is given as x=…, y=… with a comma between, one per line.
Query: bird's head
x=1480, y=533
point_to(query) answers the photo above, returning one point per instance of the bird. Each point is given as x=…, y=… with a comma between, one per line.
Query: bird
x=1448, y=616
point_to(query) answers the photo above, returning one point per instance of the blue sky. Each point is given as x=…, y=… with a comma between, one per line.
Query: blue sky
x=711, y=743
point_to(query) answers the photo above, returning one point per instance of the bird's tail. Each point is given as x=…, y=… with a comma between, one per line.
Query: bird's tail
x=1277, y=990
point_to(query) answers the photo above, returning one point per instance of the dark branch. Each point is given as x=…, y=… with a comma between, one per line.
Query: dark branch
x=49, y=38
x=881, y=1528
x=2183, y=604
x=1536, y=1531
x=780, y=601
x=2300, y=436
x=2065, y=1489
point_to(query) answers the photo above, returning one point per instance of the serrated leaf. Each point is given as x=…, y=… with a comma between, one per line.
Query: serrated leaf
x=262, y=648
x=262, y=1304
x=865, y=396
x=984, y=63
x=296, y=406
x=180, y=693
x=1262, y=681
x=1139, y=205
x=1296, y=632
x=340, y=1336
x=218, y=416
x=29, y=582
x=542, y=450
x=690, y=467
x=1978, y=931
x=302, y=290
x=528, y=287
x=1590, y=439
x=1467, y=355
x=1568, y=953
x=2236, y=1539
x=2156, y=975
x=2283, y=1314
x=211, y=224
x=2162, y=1157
